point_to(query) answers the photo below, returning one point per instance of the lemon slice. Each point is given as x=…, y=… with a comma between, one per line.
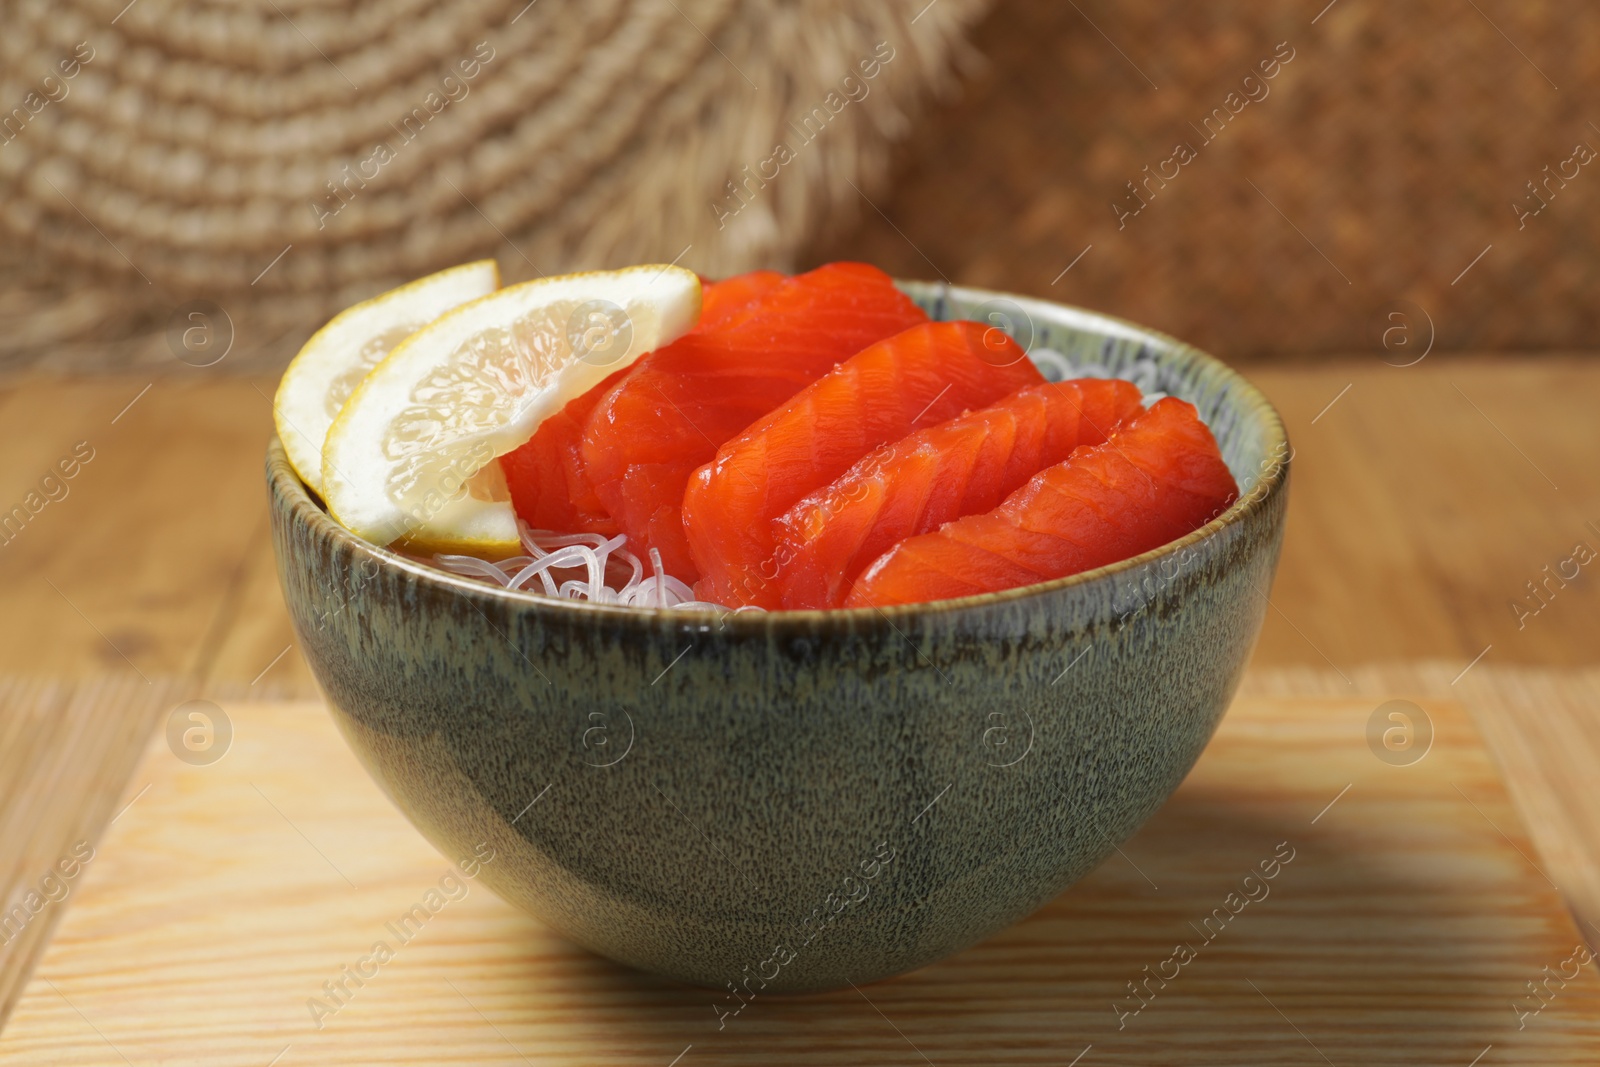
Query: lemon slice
x=330, y=366
x=403, y=457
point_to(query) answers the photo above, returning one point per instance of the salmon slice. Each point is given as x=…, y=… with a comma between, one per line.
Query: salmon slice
x=1157, y=477
x=962, y=467
x=550, y=487
x=923, y=376
x=726, y=301
x=550, y=490
x=680, y=403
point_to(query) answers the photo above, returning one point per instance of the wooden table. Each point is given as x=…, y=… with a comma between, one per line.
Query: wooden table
x=1425, y=501
x=1391, y=924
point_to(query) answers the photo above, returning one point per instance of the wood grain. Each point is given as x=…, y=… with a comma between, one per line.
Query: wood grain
x=1538, y=724
x=128, y=570
x=1401, y=928
x=70, y=749
x=1423, y=502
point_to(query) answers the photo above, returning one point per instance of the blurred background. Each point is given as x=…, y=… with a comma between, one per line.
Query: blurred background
x=283, y=160
x=1398, y=144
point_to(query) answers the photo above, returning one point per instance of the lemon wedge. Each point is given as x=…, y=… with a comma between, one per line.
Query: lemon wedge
x=337, y=357
x=409, y=457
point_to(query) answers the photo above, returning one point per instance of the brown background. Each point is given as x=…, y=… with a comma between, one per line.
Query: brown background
x=1396, y=141
x=1385, y=160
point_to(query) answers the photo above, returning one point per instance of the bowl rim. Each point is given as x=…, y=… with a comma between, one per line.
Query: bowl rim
x=1246, y=397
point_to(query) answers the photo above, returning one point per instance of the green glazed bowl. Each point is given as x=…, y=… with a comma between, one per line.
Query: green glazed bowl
x=799, y=800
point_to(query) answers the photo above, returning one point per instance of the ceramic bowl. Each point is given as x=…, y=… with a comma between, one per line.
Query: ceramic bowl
x=799, y=800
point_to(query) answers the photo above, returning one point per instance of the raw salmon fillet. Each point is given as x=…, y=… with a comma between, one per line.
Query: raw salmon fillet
x=680, y=403
x=550, y=487
x=962, y=467
x=1157, y=477
x=921, y=377
x=724, y=301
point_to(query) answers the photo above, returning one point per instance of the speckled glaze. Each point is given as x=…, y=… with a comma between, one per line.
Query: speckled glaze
x=793, y=801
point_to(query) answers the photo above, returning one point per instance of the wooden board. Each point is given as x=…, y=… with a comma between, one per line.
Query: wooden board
x=73, y=747
x=1404, y=930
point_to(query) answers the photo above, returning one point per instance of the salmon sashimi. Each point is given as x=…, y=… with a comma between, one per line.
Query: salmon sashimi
x=725, y=301
x=678, y=404
x=962, y=467
x=1156, y=478
x=550, y=487
x=550, y=490
x=923, y=376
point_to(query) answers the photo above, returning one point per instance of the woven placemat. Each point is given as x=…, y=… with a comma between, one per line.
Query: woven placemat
x=267, y=162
